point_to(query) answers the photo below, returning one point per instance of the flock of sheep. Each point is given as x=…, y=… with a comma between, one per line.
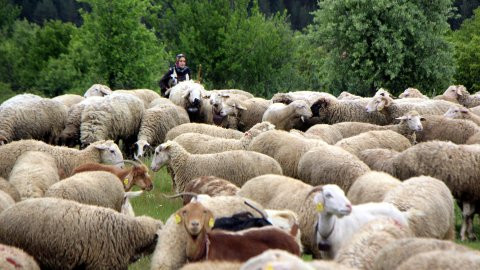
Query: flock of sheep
x=358, y=182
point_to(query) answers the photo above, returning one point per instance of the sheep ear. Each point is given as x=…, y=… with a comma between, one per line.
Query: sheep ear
x=225, y=95
x=460, y=89
x=101, y=147
x=401, y=118
x=240, y=107
x=463, y=110
x=422, y=118
x=167, y=144
x=187, y=94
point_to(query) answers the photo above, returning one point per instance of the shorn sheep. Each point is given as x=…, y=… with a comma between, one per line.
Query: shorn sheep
x=33, y=173
x=66, y=159
x=31, y=118
x=12, y=258
x=394, y=253
x=360, y=251
x=63, y=234
x=186, y=166
x=371, y=187
x=170, y=253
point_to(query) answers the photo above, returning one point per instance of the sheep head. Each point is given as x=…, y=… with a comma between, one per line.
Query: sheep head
x=321, y=104
x=455, y=91
x=331, y=199
x=413, y=120
x=109, y=152
x=302, y=110
x=3, y=140
x=140, y=177
x=457, y=113
x=379, y=102
x=161, y=156
x=98, y=90
x=142, y=147
x=282, y=98
x=195, y=218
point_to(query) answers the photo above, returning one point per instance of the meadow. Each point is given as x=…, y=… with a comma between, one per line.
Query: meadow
x=156, y=205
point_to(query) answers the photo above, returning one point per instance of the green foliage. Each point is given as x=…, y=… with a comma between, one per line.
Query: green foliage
x=8, y=14
x=129, y=55
x=384, y=43
x=467, y=53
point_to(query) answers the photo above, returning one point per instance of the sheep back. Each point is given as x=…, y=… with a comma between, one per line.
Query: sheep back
x=442, y=259
x=203, y=129
x=9, y=189
x=371, y=187
x=375, y=139
x=439, y=127
x=5, y=200
x=326, y=132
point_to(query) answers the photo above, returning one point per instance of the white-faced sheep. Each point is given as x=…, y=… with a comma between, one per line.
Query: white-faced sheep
x=156, y=123
x=412, y=93
x=118, y=116
x=462, y=113
x=371, y=187
x=374, y=139
x=253, y=113
x=393, y=254
x=94, y=188
x=189, y=95
x=210, y=185
x=433, y=198
x=32, y=118
x=330, y=165
x=97, y=90
x=66, y=159
x=196, y=143
x=12, y=258
x=439, y=127
x=309, y=96
x=204, y=129
x=170, y=253
x=455, y=165
x=237, y=166
x=458, y=93
x=33, y=173
x=63, y=234
x=9, y=189
x=284, y=116
x=360, y=251
x=146, y=95
x=284, y=147
x=392, y=109
x=69, y=99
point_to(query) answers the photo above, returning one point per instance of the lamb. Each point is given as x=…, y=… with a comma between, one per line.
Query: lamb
x=88, y=237
x=156, y=123
x=374, y=139
x=204, y=129
x=210, y=185
x=412, y=93
x=10, y=189
x=5, y=201
x=434, y=199
x=33, y=173
x=118, y=116
x=185, y=166
x=283, y=116
x=12, y=258
x=371, y=187
x=442, y=259
x=330, y=111
x=196, y=143
x=281, y=192
x=462, y=113
x=32, y=118
x=393, y=254
x=99, y=90
x=203, y=243
x=66, y=158
x=135, y=175
x=188, y=95
x=69, y=99
x=286, y=148
x=92, y=187
x=360, y=251
x=70, y=136
x=146, y=95
x=391, y=109
x=170, y=253
x=455, y=165
x=459, y=94
x=338, y=167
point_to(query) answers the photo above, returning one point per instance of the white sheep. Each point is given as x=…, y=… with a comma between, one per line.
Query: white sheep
x=348, y=96
x=189, y=95
x=462, y=113
x=204, y=129
x=146, y=95
x=31, y=118
x=284, y=116
x=374, y=139
x=237, y=166
x=442, y=259
x=33, y=173
x=63, y=234
x=246, y=113
x=66, y=159
x=69, y=99
x=9, y=189
x=459, y=94
x=12, y=258
x=433, y=198
x=412, y=93
x=99, y=90
x=5, y=201
x=371, y=187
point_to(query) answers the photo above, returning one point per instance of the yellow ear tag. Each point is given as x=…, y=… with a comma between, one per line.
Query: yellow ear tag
x=268, y=267
x=319, y=207
x=178, y=218
x=211, y=222
x=125, y=181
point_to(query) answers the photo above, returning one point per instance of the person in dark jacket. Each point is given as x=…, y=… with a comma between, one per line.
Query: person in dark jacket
x=180, y=72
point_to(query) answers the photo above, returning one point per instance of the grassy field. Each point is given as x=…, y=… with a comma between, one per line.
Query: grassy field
x=155, y=205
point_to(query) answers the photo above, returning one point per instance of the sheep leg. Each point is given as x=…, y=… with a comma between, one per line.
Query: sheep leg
x=468, y=210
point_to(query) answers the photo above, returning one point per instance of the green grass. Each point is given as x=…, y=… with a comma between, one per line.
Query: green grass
x=155, y=205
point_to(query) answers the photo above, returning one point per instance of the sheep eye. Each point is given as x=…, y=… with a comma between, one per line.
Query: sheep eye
x=204, y=211
x=328, y=195
x=111, y=151
x=184, y=212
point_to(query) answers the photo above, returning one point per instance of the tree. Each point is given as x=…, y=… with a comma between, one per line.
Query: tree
x=467, y=53
x=384, y=43
x=8, y=14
